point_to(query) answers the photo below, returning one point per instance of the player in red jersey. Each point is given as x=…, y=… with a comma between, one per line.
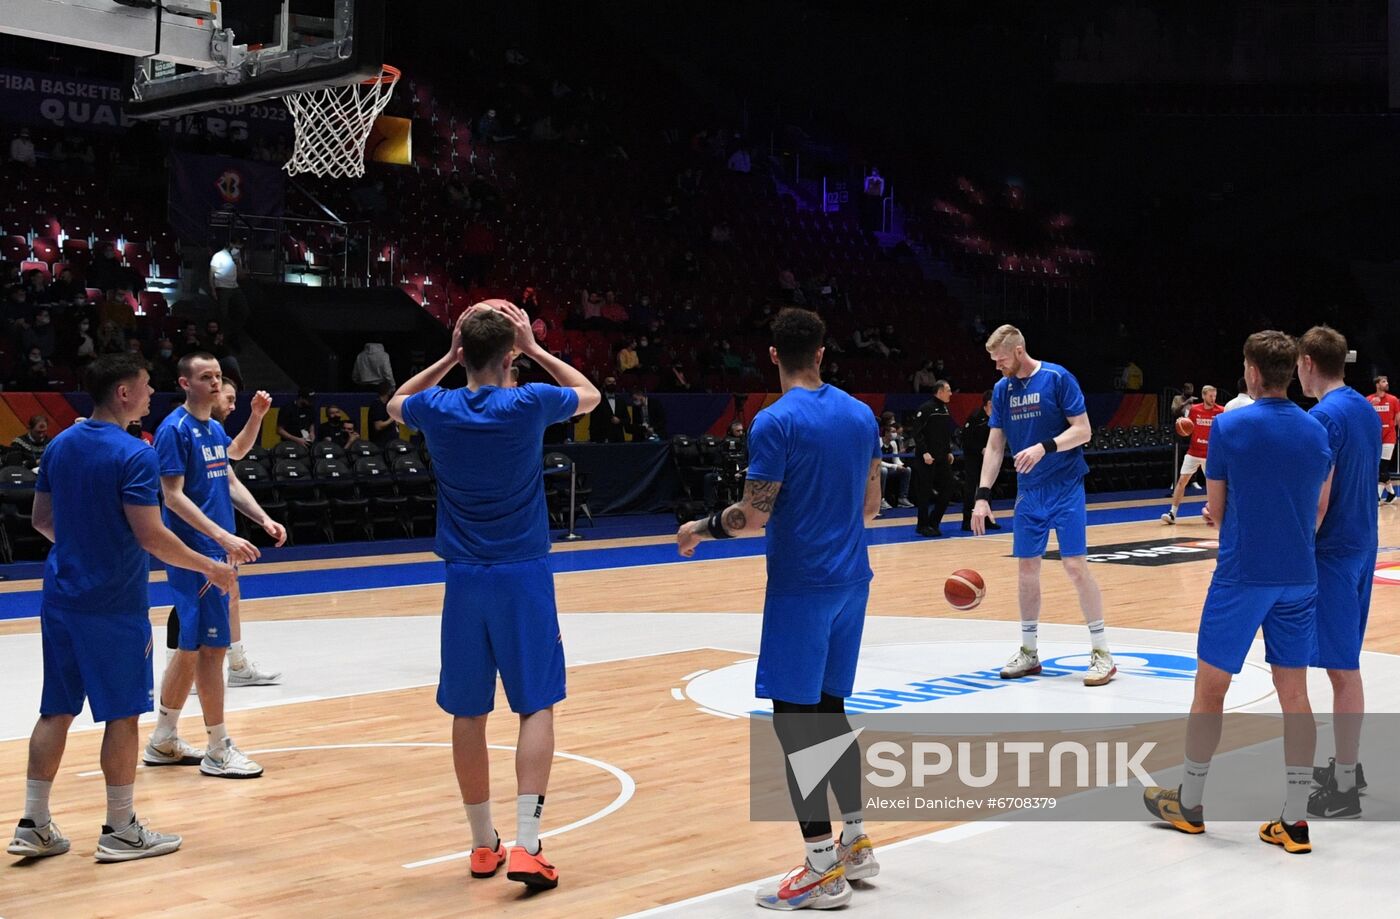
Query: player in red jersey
x=1201, y=414
x=1388, y=408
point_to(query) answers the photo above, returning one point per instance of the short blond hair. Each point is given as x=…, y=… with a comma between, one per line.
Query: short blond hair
x=1006, y=336
x=1208, y=388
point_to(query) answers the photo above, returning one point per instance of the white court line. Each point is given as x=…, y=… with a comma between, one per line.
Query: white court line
x=950, y=835
x=690, y=676
x=677, y=694
x=629, y=788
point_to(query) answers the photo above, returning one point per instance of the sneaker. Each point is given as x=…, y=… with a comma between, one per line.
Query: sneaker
x=1324, y=775
x=34, y=841
x=1329, y=803
x=904, y=502
x=1195, y=486
x=1165, y=805
x=858, y=859
x=1023, y=663
x=1169, y=518
x=531, y=870
x=250, y=675
x=171, y=752
x=805, y=888
x=487, y=861
x=1389, y=497
x=1293, y=838
x=885, y=505
x=1101, y=668
x=232, y=763
x=132, y=842
x=992, y=525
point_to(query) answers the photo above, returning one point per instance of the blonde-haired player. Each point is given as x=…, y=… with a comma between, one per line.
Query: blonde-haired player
x=1202, y=415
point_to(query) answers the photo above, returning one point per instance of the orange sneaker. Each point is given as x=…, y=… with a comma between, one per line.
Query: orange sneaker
x=486, y=862
x=532, y=870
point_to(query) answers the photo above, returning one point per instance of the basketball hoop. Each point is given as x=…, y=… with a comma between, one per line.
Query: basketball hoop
x=333, y=123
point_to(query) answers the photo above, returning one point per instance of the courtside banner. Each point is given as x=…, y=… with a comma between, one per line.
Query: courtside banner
x=1040, y=767
x=390, y=141
x=200, y=185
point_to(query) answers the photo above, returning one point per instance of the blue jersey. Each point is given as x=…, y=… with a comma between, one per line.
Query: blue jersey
x=1037, y=408
x=488, y=456
x=1273, y=459
x=197, y=450
x=96, y=565
x=1354, y=439
x=819, y=444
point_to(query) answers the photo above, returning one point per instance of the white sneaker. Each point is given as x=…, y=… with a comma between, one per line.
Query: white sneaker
x=231, y=763
x=884, y=505
x=1024, y=662
x=34, y=841
x=806, y=888
x=1169, y=518
x=134, y=841
x=171, y=752
x=1101, y=668
x=250, y=675
x=858, y=858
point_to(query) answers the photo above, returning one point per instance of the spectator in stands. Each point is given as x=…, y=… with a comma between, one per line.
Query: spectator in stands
x=890, y=339
x=40, y=334
x=592, y=309
x=22, y=149
x=382, y=429
x=110, y=339
x=875, y=184
x=339, y=429
x=1183, y=400
x=924, y=377
x=648, y=354
x=646, y=420
x=627, y=357
x=34, y=375
x=117, y=308
x=689, y=319
x=189, y=341
x=614, y=314
x=488, y=127
x=1132, y=377
x=225, y=266
x=373, y=368
x=81, y=349
x=674, y=379
x=298, y=422
x=17, y=306
x=165, y=372
x=834, y=376
x=66, y=289
x=686, y=269
x=530, y=302
x=868, y=341
x=28, y=448
x=606, y=423
x=643, y=314
x=135, y=430
x=133, y=345
x=36, y=286
x=729, y=360
x=894, y=472
x=106, y=272
x=740, y=161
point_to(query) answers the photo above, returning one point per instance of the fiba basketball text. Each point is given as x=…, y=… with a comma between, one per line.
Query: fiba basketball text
x=1111, y=764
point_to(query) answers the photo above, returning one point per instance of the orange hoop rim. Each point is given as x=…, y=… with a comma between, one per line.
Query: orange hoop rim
x=387, y=74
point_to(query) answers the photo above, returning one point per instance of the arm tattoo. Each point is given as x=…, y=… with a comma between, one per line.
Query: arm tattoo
x=761, y=495
x=734, y=520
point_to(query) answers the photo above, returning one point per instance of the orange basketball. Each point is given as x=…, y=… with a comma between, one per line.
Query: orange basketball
x=964, y=589
x=1184, y=426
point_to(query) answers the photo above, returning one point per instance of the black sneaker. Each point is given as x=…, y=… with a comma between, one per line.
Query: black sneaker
x=1332, y=804
x=1323, y=775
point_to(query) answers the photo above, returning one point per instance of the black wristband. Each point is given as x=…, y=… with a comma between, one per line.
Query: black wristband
x=1049, y=445
x=716, y=527
x=983, y=494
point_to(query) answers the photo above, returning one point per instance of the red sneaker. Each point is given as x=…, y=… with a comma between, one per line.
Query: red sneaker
x=532, y=870
x=486, y=862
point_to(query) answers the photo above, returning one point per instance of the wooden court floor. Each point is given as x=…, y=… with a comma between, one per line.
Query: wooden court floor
x=359, y=787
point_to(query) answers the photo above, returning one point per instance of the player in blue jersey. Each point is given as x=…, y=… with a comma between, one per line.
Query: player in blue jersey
x=814, y=481
x=1038, y=411
x=1346, y=559
x=1267, y=487
x=200, y=497
x=498, y=612
x=98, y=501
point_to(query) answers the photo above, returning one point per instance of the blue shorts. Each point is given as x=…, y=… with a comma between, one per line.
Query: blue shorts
x=105, y=657
x=810, y=644
x=1343, y=604
x=1041, y=508
x=500, y=618
x=1233, y=614
x=203, y=619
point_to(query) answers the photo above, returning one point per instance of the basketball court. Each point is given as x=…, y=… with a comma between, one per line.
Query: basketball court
x=648, y=811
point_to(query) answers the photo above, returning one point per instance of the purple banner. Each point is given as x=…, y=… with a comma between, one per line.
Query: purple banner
x=200, y=185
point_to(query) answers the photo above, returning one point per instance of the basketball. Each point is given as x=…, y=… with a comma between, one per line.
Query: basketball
x=964, y=589
x=1184, y=427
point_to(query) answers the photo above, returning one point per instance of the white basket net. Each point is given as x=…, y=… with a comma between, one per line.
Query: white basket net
x=333, y=123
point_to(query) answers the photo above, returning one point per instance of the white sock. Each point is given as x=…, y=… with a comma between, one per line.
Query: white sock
x=1030, y=630
x=852, y=829
x=1098, y=638
x=1345, y=776
x=527, y=822
x=36, y=801
x=120, y=806
x=1295, y=806
x=237, y=659
x=218, y=739
x=167, y=724
x=483, y=830
x=821, y=854
x=1193, y=783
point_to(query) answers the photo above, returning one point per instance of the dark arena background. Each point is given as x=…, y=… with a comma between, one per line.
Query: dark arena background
x=313, y=192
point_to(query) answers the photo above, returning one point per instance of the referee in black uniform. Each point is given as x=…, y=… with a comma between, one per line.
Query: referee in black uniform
x=975, y=432
x=933, y=486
